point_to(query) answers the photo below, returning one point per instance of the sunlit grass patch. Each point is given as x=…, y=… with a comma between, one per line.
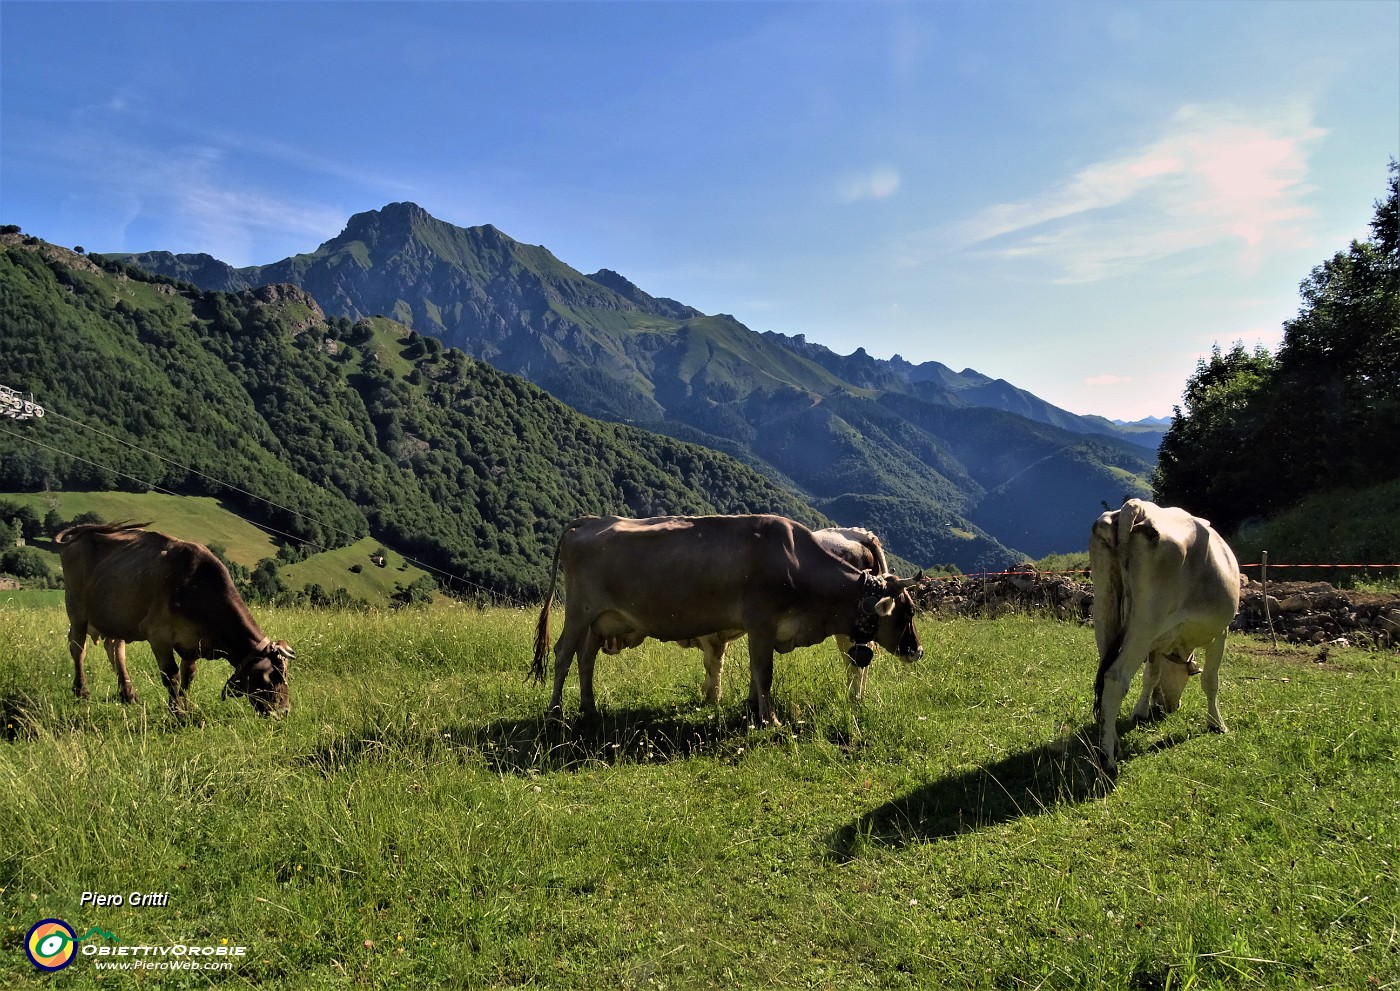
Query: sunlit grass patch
x=415, y=821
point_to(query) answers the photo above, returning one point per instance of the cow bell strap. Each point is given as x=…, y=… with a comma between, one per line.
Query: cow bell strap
x=262, y=645
x=228, y=685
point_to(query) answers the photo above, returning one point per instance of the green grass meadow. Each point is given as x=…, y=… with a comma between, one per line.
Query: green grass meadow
x=414, y=823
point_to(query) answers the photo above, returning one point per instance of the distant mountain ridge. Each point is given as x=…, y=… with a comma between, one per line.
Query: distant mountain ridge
x=948, y=466
x=325, y=431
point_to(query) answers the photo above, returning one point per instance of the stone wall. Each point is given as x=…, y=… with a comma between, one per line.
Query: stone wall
x=1302, y=612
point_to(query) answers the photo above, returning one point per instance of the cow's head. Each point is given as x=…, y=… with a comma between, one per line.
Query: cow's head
x=262, y=677
x=1172, y=675
x=886, y=616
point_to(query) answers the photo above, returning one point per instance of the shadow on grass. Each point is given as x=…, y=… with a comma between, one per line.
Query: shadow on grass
x=1026, y=783
x=524, y=746
x=18, y=719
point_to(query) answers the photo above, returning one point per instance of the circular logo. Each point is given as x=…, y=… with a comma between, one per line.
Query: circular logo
x=51, y=944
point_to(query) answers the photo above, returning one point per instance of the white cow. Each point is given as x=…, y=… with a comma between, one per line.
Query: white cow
x=1165, y=585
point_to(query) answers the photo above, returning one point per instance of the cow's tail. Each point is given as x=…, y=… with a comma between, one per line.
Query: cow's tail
x=1109, y=561
x=542, y=624
x=877, y=551
x=1107, y=544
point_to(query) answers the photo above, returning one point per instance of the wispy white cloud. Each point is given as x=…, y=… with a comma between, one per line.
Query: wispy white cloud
x=877, y=183
x=149, y=182
x=1213, y=178
x=192, y=191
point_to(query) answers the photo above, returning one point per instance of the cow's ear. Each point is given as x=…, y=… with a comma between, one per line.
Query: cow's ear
x=1105, y=530
x=885, y=606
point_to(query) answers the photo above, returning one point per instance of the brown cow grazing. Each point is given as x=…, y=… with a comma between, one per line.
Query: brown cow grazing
x=124, y=583
x=1165, y=586
x=855, y=545
x=680, y=578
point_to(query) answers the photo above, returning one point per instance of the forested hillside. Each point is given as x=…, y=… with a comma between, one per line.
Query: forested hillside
x=324, y=430
x=1260, y=433
x=962, y=468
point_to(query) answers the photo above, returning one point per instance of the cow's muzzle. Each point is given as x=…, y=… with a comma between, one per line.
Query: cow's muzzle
x=262, y=676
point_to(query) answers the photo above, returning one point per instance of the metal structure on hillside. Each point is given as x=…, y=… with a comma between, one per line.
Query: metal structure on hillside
x=16, y=407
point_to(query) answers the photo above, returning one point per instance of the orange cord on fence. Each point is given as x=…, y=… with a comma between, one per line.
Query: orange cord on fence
x=1274, y=564
x=1085, y=571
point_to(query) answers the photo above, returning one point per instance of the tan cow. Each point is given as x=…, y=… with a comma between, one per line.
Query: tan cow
x=681, y=578
x=123, y=583
x=1165, y=585
x=855, y=545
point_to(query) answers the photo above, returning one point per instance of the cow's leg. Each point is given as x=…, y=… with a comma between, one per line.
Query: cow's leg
x=170, y=675
x=713, y=649
x=564, y=650
x=587, y=654
x=761, y=680
x=116, y=653
x=77, y=647
x=1111, y=689
x=1210, y=681
x=855, y=673
x=188, y=662
x=1149, y=703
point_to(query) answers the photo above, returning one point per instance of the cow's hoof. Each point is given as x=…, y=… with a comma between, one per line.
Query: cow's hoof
x=81, y=692
x=1106, y=763
x=129, y=698
x=1218, y=727
x=1153, y=715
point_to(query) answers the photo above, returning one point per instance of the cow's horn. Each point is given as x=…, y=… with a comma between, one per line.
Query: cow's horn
x=904, y=583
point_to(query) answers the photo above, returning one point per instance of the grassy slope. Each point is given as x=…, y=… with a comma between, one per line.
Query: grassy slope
x=205, y=521
x=198, y=518
x=412, y=824
x=1343, y=527
x=331, y=570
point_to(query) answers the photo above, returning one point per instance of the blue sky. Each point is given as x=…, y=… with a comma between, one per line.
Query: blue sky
x=1079, y=197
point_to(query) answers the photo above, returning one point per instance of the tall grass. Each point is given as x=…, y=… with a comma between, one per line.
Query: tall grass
x=414, y=822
